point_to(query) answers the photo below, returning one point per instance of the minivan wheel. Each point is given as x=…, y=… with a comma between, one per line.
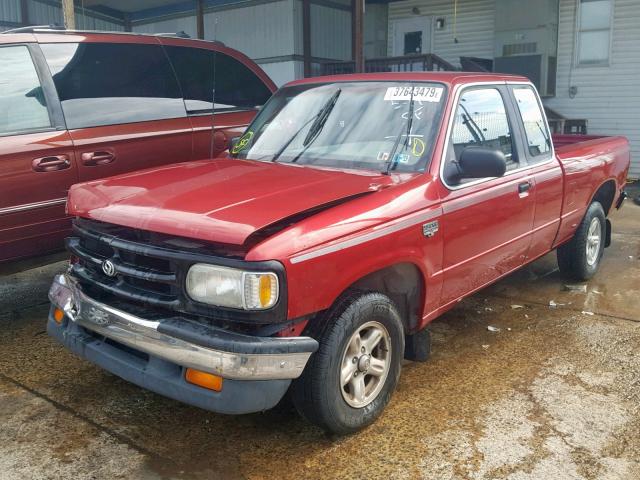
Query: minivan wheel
x=350, y=379
x=579, y=258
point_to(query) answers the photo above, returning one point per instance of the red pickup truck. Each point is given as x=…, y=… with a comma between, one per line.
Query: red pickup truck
x=352, y=212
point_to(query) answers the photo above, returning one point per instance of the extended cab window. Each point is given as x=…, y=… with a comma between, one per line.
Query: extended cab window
x=237, y=87
x=480, y=120
x=535, y=128
x=23, y=107
x=113, y=83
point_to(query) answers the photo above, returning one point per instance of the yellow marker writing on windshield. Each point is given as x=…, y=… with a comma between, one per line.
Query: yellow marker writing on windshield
x=242, y=143
x=417, y=147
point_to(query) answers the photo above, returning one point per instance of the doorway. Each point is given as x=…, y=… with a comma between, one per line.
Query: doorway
x=412, y=36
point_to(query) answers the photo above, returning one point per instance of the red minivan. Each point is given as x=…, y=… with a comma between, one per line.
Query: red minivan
x=78, y=106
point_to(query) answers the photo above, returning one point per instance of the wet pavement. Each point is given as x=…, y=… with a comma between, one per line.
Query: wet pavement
x=555, y=393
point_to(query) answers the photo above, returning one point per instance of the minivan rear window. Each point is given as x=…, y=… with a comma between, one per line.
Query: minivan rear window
x=237, y=87
x=23, y=106
x=113, y=83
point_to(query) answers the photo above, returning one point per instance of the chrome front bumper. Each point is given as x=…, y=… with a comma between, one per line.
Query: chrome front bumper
x=227, y=354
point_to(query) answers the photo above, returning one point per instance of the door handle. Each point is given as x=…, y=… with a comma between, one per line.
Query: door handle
x=523, y=189
x=51, y=163
x=92, y=159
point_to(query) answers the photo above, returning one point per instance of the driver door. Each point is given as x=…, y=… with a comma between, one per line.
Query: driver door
x=486, y=222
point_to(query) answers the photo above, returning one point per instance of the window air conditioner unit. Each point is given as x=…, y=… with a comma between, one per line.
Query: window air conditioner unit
x=539, y=68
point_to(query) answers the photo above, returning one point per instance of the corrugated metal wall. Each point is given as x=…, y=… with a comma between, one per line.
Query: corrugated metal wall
x=330, y=32
x=376, y=26
x=48, y=12
x=283, y=72
x=89, y=22
x=265, y=32
x=608, y=96
x=10, y=11
x=474, y=26
x=41, y=13
x=260, y=31
x=178, y=24
x=270, y=32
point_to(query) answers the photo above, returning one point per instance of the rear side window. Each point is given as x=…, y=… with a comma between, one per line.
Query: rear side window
x=535, y=128
x=23, y=107
x=113, y=83
x=481, y=120
x=237, y=87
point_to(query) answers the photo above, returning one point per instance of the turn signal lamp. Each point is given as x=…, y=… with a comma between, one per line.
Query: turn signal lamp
x=203, y=379
x=260, y=290
x=58, y=315
x=230, y=287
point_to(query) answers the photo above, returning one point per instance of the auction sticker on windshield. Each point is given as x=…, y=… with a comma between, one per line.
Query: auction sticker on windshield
x=420, y=94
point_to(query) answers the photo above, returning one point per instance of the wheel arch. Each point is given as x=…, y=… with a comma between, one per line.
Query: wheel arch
x=404, y=283
x=605, y=195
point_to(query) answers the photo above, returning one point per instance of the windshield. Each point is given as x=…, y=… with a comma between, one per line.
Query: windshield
x=383, y=126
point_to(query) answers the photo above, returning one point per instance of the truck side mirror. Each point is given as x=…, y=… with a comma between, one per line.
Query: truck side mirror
x=482, y=162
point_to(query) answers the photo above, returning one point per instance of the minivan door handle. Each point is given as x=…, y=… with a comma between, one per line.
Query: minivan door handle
x=92, y=159
x=50, y=163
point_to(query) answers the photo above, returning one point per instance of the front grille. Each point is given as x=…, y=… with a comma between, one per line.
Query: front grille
x=150, y=271
x=143, y=273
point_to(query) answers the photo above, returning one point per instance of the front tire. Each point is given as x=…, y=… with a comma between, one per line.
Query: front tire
x=350, y=379
x=579, y=258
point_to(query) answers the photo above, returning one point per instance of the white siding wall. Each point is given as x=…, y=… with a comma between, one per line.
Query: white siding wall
x=609, y=96
x=474, y=26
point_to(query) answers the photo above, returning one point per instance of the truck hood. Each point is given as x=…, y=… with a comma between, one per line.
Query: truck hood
x=223, y=200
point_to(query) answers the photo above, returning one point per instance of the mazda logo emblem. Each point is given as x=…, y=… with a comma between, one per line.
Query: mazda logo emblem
x=109, y=268
x=98, y=316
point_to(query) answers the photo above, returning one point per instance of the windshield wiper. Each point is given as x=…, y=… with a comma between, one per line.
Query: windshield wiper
x=391, y=164
x=469, y=122
x=318, y=122
x=321, y=119
x=544, y=134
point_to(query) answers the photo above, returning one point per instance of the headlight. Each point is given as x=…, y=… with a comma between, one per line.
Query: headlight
x=230, y=287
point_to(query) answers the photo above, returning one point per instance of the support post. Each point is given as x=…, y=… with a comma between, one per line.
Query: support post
x=127, y=22
x=24, y=13
x=200, y=19
x=306, y=36
x=357, y=26
x=69, y=14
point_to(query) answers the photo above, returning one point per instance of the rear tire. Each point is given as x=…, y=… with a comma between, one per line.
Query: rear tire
x=350, y=379
x=579, y=258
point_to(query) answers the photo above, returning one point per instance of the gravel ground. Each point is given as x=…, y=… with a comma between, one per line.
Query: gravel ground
x=555, y=393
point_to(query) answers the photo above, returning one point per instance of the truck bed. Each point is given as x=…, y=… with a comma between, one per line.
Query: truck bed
x=588, y=163
x=562, y=140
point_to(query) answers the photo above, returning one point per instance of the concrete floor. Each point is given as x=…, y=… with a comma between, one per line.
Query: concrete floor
x=554, y=394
